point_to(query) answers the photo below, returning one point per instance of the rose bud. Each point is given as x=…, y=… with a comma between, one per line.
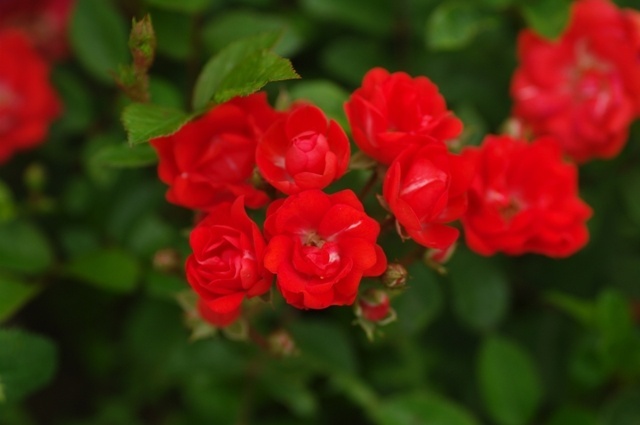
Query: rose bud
x=389, y=109
x=425, y=188
x=524, y=199
x=320, y=246
x=395, y=277
x=217, y=319
x=303, y=151
x=281, y=343
x=373, y=305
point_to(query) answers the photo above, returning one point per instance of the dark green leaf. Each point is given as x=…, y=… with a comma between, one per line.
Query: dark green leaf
x=13, y=295
x=126, y=156
x=325, y=345
x=109, y=269
x=421, y=302
x=185, y=6
x=146, y=121
x=422, y=409
x=622, y=410
x=480, y=290
x=237, y=24
x=453, y=25
x=546, y=17
x=98, y=37
x=372, y=16
x=573, y=416
x=27, y=363
x=23, y=249
x=509, y=383
x=240, y=69
x=174, y=33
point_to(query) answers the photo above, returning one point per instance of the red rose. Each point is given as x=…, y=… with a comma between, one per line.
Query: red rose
x=211, y=159
x=525, y=199
x=388, y=107
x=320, y=247
x=28, y=102
x=44, y=21
x=584, y=89
x=226, y=264
x=425, y=187
x=303, y=151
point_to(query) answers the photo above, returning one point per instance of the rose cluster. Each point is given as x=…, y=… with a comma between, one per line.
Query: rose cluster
x=512, y=194
x=32, y=35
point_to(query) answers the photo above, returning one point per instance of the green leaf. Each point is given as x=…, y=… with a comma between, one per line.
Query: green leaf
x=619, y=344
x=480, y=290
x=453, y=25
x=572, y=416
x=108, y=269
x=349, y=58
x=580, y=310
x=13, y=295
x=372, y=16
x=312, y=338
x=99, y=38
x=147, y=121
x=548, y=18
x=421, y=302
x=184, y=6
x=241, y=69
x=232, y=26
x=325, y=94
x=27, y=363
x=509, y=382
x=23, y=249
x=125, y=156
x=174, y=33
x=422, y=409
x=7, y=205
x=624, y=409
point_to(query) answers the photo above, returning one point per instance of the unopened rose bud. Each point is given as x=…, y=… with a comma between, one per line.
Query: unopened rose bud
x=373, y=305
x=35, y=177
x=281, y=344
x=436, y=258
x=142, y=43
x=166, y=260
x=395, y=277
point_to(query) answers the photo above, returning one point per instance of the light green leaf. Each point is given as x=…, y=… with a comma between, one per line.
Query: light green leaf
x=325, y=94
x=99, y=38
x=125, y=156
x=110, y=269
x=422, y=409
x=27, y=363
x=548, y=18
x=23, y=249
x=480, y=290
x=146, y=121
x=509, y=382
x=241, y=69
x=13, y=295
x=453, y=25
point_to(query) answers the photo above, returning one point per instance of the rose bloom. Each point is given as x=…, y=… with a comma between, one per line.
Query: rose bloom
x=211, y=159
x=320, y=246
x=28, y=102
x=524, y=198
x=303, y=151
x=44, y=21
x=583, y=89
x=389, y=107
x=219, y=320
x=226, y=264
x=425, y=188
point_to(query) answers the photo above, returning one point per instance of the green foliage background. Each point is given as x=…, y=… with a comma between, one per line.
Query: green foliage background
x=91, y=332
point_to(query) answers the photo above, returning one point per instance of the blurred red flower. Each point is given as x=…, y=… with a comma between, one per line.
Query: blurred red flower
x=28, y=102
x=523, y=199
x=583, y=89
